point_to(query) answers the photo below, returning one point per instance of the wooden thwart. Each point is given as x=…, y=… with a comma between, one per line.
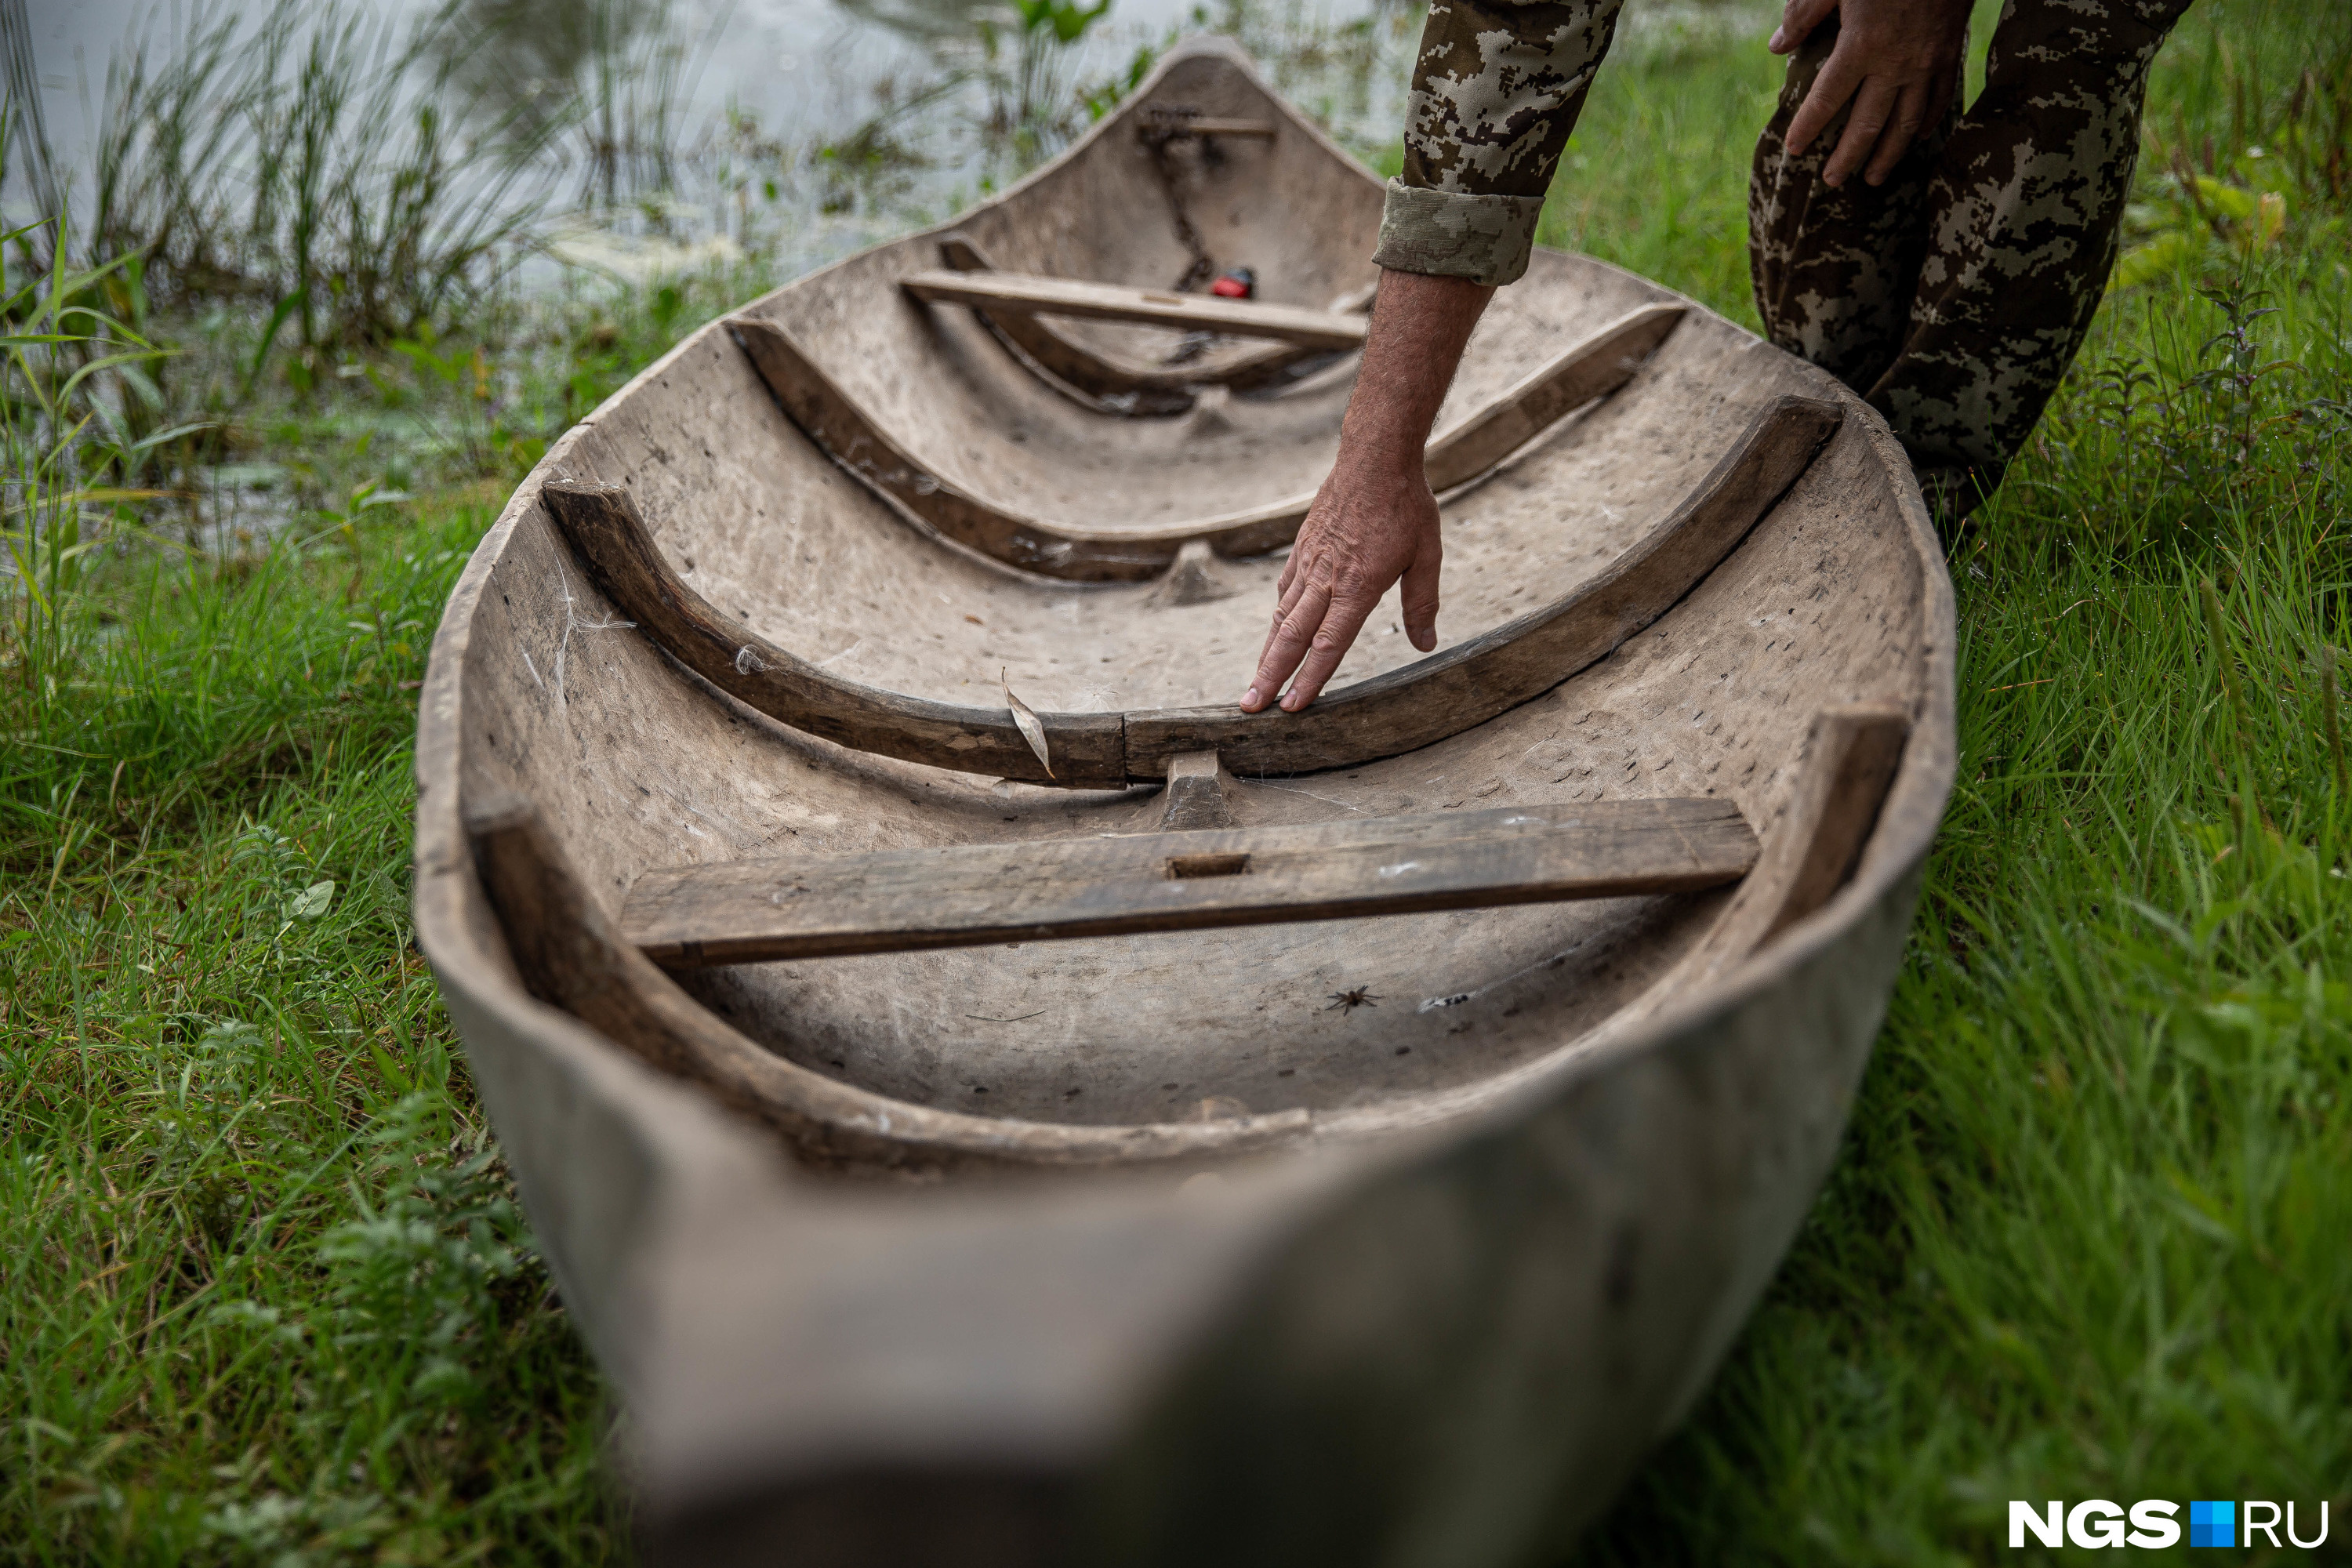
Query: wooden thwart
x=1014, y=293
x=837, y=422
x=570, y=956
x=1055, y=890
x=1113, y=384
x=1170, y=127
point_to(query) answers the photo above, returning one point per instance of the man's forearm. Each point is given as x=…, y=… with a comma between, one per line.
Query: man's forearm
x=1419, y=326
x=1374, y=522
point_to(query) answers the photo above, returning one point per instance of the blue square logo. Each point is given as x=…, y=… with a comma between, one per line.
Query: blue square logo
x=2213, y=1524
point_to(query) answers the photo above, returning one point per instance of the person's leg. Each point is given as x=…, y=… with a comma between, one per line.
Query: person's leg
x=1835, y=267
x=2020, y=231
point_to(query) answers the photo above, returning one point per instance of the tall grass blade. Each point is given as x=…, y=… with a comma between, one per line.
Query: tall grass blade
x=2330, y=702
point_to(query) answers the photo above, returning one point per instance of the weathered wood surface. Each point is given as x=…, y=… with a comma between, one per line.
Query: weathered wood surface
x=570, y=956
x=1525, y=1176
x=1592, y=368
x=1403, y=710
x=976, y=895
x=1113, y=384
x=1465, y=684
x=1849, y=760
x=1196, y=797
x=1013, y=293
x=851, y=437
x=629, y=569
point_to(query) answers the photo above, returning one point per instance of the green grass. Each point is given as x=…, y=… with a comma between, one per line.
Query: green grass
x=267, y=1289
x=266, y=1296
x=2088, y=1237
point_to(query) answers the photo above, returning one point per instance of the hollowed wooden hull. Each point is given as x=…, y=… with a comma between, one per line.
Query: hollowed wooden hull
x=1415, y=1280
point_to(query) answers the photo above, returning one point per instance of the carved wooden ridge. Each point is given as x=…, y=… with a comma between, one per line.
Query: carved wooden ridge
x=1403, y=711
x=838, y=424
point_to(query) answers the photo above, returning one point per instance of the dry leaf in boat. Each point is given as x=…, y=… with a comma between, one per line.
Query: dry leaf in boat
x=1031, y=729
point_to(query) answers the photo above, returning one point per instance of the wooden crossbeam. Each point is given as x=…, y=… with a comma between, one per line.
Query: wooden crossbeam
x=974, y=895
x=571, y=957
x=1015, y=293
x=1111, y=383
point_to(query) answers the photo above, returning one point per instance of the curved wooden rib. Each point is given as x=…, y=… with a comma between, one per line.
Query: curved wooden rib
x=835, y=421
x=1843, y=770
x=628, y=568
x=1111, y=383
x=1470, y=683
x=570, y=957
x=1386, y=716
x=1594, y=368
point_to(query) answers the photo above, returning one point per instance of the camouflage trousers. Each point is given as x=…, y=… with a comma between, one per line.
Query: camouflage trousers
x=1954, y=296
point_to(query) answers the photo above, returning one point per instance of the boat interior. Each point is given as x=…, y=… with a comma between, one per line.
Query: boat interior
x=873, y=763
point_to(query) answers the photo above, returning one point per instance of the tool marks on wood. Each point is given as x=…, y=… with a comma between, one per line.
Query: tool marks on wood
x=1594, y=368
x=1844, y=772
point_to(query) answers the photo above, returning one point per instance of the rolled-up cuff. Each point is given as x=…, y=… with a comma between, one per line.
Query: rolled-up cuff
x=1447, y=234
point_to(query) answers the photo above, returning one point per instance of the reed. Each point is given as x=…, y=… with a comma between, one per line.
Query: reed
x=307, y=160
x=599, y=86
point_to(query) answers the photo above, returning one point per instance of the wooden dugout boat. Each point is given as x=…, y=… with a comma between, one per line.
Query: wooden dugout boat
x=1374, y=1169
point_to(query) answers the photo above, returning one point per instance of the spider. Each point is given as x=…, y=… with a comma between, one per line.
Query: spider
x=1347, y=1002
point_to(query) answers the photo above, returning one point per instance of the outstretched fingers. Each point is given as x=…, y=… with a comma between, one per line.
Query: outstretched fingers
x=1417, y=595
x=1343, y=616
x=1910, y=113
x=1874, y=111
x=1287, y=645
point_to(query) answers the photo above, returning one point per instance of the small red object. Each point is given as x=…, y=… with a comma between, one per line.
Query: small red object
x=1238, y=284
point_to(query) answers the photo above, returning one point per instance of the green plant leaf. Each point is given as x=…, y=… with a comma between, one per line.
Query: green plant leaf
x=310, y=903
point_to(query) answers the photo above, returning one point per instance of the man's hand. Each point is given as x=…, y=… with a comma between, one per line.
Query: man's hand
x=1897, y=61
x=1374, y=520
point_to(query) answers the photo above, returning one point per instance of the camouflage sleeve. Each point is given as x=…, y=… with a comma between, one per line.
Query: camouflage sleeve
x=1495, y=90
